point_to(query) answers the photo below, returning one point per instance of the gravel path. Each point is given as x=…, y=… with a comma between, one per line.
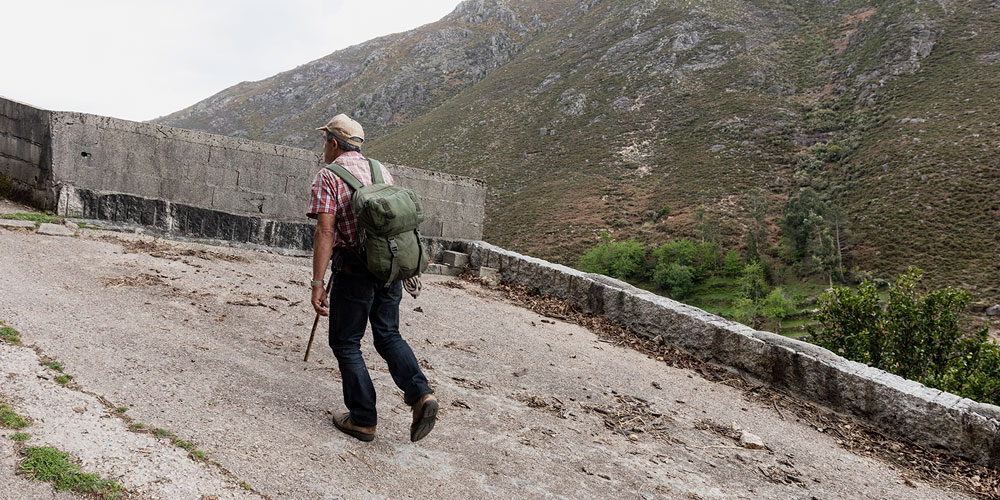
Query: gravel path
x=207, y=342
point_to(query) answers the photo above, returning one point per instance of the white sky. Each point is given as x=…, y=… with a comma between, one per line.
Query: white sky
x=140, y=59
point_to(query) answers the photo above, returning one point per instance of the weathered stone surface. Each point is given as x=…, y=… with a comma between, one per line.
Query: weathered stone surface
x=19, y=224
x=993, y=310
x=751, y=441
x=443, y=270
x=455, y=259
x=489, y=275
x=895, y=405
x=25, y=158
x=104, y=168
x=55, y=230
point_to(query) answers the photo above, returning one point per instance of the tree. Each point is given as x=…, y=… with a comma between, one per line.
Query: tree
x=705, y=227
x=916, y=335
x=622, y=260
x=777, y=306
x=675, y=278
x=756, y=206
x=840, y=235
x=681, y=250
x=706, y=258
x=802, y=214
x=815, y=230
x=753, y=285
x=732, y=264
x=753, y=289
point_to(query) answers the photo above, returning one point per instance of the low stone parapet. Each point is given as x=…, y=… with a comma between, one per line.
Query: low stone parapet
x=895, y=405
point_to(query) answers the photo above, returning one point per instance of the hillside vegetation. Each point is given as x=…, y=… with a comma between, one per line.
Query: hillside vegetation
x=594, y=116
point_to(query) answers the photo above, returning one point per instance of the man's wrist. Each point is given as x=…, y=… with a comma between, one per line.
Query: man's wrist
x=317, y=283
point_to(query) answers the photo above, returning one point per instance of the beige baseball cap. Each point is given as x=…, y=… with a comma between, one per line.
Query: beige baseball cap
x=345, y=129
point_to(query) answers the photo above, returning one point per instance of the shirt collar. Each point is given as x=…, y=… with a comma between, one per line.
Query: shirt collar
x=351, y=155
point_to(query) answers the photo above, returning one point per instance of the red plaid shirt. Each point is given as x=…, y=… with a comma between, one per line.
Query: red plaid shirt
x=331, y=195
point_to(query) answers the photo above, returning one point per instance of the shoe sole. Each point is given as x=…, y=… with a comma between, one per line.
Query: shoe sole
x=354, y=434
x=428, y=417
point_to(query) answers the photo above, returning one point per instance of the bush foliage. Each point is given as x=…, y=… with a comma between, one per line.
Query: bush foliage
x=623, y=260
x=679, y=266
x=914, y=335
x=676, y=278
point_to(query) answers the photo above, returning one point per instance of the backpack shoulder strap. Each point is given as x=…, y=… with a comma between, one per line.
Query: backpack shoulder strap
x=376, y=169
x=345, y=176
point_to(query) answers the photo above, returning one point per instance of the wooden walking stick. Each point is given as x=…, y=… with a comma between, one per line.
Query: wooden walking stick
x=316, y=322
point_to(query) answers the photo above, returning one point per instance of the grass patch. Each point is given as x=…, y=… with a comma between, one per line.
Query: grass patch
x=64, y=379
x=50, y=465
x=245, y=486
x=162, y=433
x=10, y=419
x=20, y=437
x=10, y=335
x=137, y=426
x=180, y=443
x=36, y=218
x=187, y=446
x=55, y=365
x=122, y=409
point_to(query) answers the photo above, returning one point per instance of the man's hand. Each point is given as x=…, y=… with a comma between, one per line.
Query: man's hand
x=320, y=301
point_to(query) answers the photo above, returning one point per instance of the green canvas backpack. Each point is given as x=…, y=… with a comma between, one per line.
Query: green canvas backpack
x=388, y=221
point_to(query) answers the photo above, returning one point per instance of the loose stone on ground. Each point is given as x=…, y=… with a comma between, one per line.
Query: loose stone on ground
x=50, y=229
x=17, y=224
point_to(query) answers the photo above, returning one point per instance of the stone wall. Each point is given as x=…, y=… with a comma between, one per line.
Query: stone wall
x=25, y=166
x=895, y=405
x=193, y=183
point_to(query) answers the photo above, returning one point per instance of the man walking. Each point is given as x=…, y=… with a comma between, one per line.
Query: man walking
x=357, y=296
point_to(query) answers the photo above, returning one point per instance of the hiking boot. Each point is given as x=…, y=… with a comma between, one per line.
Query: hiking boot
x=425, y=412
x=342, y=421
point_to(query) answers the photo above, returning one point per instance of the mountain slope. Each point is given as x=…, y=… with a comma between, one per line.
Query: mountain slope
x=652, y=105
x=383, y=82
x=602, y=113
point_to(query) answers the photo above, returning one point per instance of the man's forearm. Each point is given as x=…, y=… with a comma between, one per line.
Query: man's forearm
x=322, y=250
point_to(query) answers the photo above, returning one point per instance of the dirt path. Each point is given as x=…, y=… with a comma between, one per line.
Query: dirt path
x=207, y=342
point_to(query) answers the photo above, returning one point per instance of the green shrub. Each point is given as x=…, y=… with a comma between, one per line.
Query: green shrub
x=914, y=335
x=680, y=250
x=745, y=311
x=750, y=298
x=664, y=211
x=706, y=259
x=623, y=260
x=833, y=153
x=732, y=264
x=777, y=306
x=753, y=284
x=676, y=278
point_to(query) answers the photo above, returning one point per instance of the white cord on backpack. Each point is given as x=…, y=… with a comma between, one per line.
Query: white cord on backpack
x=412, y=286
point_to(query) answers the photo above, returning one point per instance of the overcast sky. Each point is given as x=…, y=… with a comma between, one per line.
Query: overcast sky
x=139, y=59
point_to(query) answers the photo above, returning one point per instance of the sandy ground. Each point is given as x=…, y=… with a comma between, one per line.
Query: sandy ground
x=208, y=341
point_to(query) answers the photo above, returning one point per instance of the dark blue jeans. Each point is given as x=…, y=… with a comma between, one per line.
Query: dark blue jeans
x=356, y=298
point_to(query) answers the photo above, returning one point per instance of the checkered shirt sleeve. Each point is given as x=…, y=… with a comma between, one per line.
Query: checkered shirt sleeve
x=323, y=198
